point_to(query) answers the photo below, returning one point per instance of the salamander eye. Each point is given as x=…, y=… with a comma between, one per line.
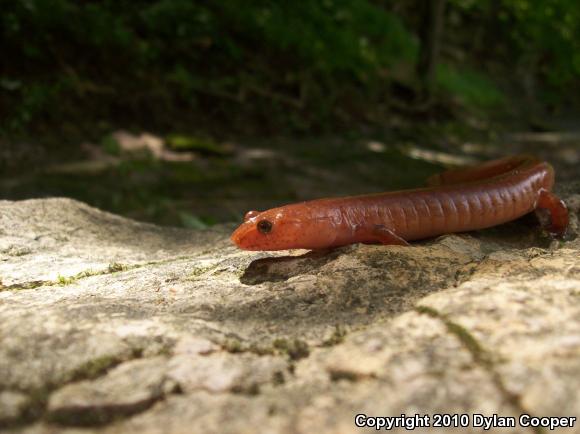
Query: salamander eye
x=265, y=226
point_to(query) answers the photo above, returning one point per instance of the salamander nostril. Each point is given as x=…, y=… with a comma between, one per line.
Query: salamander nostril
x=265, y=226
x=250, y=214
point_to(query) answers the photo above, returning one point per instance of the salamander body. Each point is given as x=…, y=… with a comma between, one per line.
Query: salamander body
x=455, y=201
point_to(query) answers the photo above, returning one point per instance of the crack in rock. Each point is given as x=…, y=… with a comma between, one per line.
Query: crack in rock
x=482, y=357
x=129, y=388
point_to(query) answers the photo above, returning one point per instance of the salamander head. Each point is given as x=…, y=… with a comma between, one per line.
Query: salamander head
x=288, y=227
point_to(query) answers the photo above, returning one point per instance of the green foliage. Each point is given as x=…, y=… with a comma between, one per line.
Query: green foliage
x=540, y=39
x=110, y=145
x=554, y=32
x=156, y=59
x=330, y=36
x=473, y=88
x=192, y=221
x=181, y=142
x=276, y=63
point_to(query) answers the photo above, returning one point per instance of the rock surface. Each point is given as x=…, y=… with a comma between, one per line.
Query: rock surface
x=112, y=326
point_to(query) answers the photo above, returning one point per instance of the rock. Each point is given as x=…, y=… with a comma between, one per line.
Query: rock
x=124, y=327
x=225, y=372
x=129, y=388
x=13, y=406
x=191, y=345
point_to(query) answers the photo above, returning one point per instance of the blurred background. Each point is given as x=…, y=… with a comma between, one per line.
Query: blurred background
x=190, y=113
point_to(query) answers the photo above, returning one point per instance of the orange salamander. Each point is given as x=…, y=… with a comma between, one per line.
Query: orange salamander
x=456, y=201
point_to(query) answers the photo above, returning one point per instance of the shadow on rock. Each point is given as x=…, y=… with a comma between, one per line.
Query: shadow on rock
x=282, y=268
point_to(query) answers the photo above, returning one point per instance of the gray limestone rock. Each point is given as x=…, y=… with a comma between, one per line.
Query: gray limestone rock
x=112, y=326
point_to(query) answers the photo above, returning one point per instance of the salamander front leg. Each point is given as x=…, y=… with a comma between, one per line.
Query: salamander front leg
x=386, y=236
x=557, y=211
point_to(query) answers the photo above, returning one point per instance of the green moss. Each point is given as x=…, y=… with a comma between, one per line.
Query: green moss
x=86, y=273
x=336, y=338
x=65, y=280
x=260, y=351
x=68, y=280
x=426, y=310
x=252, y=389
x=198, y=271
x=26, y=285
x=232, y=346
x=278, y=378
x=461, y=333
x=115, y=267
x=94, y=368
x=38, y=399
x=468, y=341
x=344, y=375
x=295, y=349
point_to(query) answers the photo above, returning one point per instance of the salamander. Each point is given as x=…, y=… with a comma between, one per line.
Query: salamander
x=458, y=200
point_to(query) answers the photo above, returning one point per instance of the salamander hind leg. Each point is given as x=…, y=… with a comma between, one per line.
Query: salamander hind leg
x=557, y=211
x=384, y=235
